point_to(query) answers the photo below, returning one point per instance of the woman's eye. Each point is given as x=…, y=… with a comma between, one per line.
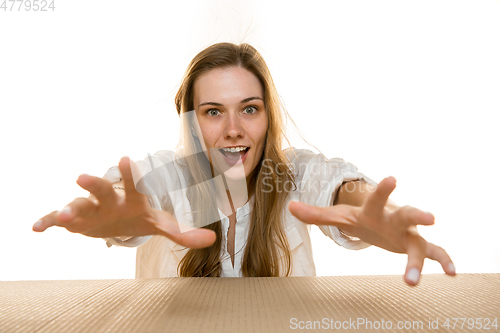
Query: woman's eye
x=252, y=109
x=212, y=112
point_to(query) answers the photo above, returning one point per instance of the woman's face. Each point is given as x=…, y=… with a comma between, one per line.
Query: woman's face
x=229, y=105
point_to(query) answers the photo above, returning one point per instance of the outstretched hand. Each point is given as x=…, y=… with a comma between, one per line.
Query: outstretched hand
x=107, y=214
x=373, y=223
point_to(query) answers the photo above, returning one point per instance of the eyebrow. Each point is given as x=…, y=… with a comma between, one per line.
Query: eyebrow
x=243, y=101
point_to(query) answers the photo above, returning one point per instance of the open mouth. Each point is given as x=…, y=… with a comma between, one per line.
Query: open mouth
x=232, y=158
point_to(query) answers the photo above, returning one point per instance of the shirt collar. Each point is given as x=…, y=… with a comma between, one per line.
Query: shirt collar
x=240, y=212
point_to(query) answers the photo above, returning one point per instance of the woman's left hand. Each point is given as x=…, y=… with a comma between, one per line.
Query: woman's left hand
x=375, y=224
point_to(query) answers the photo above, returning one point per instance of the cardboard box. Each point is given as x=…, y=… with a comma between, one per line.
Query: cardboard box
x=341, y=303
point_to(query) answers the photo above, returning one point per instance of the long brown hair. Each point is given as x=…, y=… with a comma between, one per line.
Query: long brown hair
x=267, y=252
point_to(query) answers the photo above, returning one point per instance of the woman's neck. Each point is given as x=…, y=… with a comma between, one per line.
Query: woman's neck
x=232, y=194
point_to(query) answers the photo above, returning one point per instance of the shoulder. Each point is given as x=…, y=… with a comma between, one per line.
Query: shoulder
x=296, y=155
x=156, y=173
x=310, y=165
x=165, y=156
x=165, y=159
x=293, y=153
x=299, y=157
x=302, y=159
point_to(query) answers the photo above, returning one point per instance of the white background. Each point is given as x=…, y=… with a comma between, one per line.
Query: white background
x=402, y=88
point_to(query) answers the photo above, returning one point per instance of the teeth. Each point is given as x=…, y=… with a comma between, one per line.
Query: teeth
x=234, y=150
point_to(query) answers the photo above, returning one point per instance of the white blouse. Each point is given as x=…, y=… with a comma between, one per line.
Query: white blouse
x=318, y=180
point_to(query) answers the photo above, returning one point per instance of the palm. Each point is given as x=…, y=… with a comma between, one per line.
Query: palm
x=125, y=216
x=378, y=230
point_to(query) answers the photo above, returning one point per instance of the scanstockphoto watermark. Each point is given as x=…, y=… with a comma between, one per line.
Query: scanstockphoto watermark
x=318, y=166
x=310, y=185
x=319, y=174
x=27, y=5
x=362, y=324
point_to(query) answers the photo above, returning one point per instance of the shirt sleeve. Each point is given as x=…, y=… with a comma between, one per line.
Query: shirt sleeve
x=154, y=172
x=318, y=181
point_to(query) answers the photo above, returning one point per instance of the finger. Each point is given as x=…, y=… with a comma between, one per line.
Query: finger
x=197, y=238
x=46, y=222
x=337, y=215
x=101, y=188
x=80, y=207
x=128, y=169
x=416, y=249
x=182, y=234
x=407, y=216
x=375, y=202
x=439, y=254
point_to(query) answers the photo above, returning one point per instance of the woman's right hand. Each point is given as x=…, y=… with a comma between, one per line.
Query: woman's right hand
x=107, y=214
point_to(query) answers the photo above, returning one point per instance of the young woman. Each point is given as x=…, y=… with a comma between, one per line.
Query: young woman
x=230, y=201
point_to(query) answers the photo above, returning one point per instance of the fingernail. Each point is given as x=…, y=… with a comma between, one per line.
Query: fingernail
x=451, y=267
x=84, y=175
x=413, y=275
x=66, y=210
x=38, y=224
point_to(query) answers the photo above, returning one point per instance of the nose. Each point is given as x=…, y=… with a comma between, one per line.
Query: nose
x=233, y=128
